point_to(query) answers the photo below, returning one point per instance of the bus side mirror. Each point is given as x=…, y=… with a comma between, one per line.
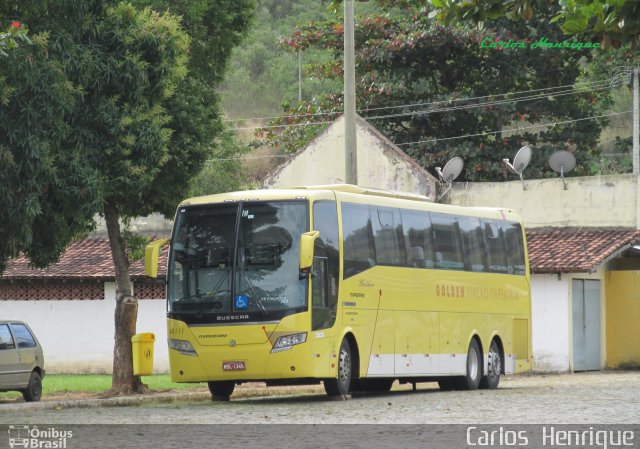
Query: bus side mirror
x=307, y=242
x=151, y=257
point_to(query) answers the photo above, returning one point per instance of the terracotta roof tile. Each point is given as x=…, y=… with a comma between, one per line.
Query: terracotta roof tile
x=83, y=259
x=565, y=250
x=551, y=250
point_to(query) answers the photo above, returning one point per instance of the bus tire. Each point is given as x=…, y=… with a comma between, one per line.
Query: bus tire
x=340, y=385
x=492, y=379
x=221, y=390
x=471, y=380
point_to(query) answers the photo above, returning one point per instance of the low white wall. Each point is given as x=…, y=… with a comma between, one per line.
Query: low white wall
x=77, y=336
x=588, y=201
x=550, y=322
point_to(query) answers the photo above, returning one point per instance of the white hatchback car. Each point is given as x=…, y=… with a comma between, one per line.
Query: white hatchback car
x=21, y=360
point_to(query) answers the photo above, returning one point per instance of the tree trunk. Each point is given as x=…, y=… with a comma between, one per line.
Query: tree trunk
x=123, y=381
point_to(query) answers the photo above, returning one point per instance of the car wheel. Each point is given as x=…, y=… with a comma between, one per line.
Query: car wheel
x=33, y=392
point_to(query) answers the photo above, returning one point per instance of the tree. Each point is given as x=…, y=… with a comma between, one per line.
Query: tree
x=261, y=76
x=413, y=75
x=613, y=19
x=107, y=114
x=11, y=38
x=222, y=173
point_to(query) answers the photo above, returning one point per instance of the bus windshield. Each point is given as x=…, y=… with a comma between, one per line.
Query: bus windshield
x=237, y=262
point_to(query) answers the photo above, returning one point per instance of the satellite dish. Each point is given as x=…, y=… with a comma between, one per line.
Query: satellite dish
x=562, y=161
x=450, y=172
x=520, y=162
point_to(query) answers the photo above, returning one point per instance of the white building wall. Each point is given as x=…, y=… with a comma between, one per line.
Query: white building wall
x=611, y=200
x=77, y=336
x=550, y=320
x=380, y=164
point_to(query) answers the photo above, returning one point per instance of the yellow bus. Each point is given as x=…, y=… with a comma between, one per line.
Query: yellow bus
x=344, y=285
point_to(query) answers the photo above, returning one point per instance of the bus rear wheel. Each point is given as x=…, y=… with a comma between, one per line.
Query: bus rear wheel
x=221, y=390
x=340, y=385
x=492, y=379
x=471, y=380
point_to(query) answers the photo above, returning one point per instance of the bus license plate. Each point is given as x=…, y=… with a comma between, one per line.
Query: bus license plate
x=233, y=366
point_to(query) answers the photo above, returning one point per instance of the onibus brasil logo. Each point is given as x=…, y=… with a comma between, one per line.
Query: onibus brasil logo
x=33, y=437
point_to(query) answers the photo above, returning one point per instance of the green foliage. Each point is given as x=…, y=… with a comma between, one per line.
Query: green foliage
x=261, y=76
x=215, y=27
x=135, y=244
x=223, y=172
x=105, y=107
x=16, y=34
x=614, y=19
x=404, y=58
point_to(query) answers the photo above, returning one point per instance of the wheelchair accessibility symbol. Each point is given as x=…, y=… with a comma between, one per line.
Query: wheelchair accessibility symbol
x=242, y=302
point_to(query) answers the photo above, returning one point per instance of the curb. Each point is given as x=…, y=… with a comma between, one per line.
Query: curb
x=122, y=401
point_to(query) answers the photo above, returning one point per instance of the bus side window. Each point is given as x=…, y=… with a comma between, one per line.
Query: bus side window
x=418, y=239
x=473, y=243
x=326, y=265
x=387, y=236
x=515, y=248
x=494, y=244
x=447, y=241
x=359, y=252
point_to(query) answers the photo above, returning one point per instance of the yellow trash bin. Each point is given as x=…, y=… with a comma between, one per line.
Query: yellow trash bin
x=142, y=346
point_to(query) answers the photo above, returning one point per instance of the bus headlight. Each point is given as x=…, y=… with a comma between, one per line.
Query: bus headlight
x=286, y=342
x=182, y=346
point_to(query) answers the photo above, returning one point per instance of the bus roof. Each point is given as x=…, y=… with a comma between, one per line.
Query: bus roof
x=296, y=192
x=350, y=192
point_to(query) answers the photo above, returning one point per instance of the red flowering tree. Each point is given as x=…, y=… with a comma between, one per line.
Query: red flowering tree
x=15, y=34
x=413, y=73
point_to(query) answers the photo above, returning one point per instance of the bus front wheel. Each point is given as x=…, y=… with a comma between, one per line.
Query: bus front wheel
x=471, y=380
x=340, y=385
x=221, y=390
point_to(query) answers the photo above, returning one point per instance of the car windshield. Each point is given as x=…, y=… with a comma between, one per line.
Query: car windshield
x=237, y=261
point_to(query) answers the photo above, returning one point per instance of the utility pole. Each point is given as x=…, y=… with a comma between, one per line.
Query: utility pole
x=350, y=142
x=636, y=123
x=299, y=76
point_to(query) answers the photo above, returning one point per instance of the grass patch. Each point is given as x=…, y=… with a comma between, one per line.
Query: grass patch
x=53, y=384
x=65, y=383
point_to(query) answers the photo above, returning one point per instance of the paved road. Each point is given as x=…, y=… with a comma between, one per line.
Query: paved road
x=609, y=397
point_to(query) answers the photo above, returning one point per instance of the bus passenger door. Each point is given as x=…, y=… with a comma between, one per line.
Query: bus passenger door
x=322, y=317
x=326, y=266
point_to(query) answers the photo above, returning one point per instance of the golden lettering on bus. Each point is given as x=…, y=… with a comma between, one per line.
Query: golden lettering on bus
x=451, y=291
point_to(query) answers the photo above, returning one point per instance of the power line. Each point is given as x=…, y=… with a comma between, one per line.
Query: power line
x=451, y=138
x=597, y=83
x=612, y=82
x=514, y=129
x=288, y=125
x=491, y=103
x=242, y=158
x=447, y=109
